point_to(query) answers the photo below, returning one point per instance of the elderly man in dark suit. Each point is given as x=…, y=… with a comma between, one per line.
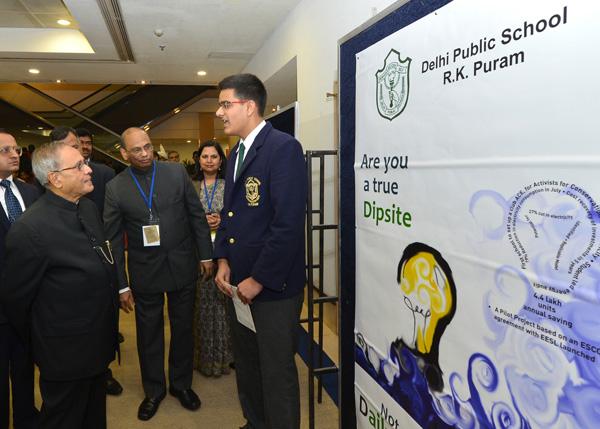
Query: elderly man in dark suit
x=156, y=204
x=65, y=300
x=14, y=362
x=260, y=249
x=100, y=175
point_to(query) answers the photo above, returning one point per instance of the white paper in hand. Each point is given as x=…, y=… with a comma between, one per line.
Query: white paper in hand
x=242, y=311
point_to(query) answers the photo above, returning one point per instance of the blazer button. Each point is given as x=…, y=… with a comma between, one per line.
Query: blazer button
x=230, y=214
x=93, y=238
x=231, y=240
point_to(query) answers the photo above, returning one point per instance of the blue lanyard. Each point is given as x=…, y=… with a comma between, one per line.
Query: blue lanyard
x=209, y=202
x=148, y=200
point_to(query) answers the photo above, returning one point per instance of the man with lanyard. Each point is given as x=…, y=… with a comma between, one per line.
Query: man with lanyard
x=156, y=204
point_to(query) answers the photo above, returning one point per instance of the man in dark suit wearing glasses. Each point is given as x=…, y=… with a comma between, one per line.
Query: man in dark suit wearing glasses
x=65, y=300
x=260, y=250
x=100, y=175
x=15, y=196
x=167, y=232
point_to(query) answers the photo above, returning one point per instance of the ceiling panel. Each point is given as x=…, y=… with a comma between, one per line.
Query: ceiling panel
x=217, y=36
x=43, y=6
x=49, y=20
x=18, y=20
x=12, y=6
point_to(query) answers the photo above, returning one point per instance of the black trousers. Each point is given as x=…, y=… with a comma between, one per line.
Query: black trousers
x=265, y=365
x=73, y=404
x=15, y=364
x=149, y=319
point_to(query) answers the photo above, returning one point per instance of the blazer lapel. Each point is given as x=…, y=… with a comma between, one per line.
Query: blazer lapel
x=4, y=220
x=256, y=145
x=27, y=196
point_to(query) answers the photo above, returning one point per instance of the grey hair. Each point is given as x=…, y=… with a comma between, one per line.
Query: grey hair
x=45, y=160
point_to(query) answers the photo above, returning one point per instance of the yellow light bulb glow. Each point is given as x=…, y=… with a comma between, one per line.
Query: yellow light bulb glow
x=427, y=294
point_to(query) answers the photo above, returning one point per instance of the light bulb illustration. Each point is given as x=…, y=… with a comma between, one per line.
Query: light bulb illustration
x=429, y=295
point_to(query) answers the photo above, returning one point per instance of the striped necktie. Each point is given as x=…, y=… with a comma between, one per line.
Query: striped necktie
x=12, y=204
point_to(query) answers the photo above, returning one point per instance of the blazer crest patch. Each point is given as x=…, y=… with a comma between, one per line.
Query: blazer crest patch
x=252, y=195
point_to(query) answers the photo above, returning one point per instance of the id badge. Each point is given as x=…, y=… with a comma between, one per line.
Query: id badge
x=151, y=233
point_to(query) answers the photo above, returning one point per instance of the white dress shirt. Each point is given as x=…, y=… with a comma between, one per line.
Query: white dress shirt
x=15, y=191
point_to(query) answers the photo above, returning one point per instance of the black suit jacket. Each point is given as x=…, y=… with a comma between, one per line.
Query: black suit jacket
x=29, y=193
x=101, y=175
x=59, y=289
x=183, y=228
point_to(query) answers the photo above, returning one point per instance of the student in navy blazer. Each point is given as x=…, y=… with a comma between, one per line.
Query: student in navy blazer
x=12, y=348
x=260, y=249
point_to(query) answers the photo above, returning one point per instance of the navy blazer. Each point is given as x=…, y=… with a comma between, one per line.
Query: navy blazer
x=262, y=222
x=30, y=194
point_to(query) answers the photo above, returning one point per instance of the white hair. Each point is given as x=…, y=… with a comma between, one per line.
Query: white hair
x=46, y=159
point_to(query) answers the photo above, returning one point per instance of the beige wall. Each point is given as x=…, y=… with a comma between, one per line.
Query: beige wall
x=316, y=53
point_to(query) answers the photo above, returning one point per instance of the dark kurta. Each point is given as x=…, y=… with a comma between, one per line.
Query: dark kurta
x=183, y=228
x=58, y=291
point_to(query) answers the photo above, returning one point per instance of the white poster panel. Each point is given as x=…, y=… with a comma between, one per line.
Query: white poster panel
x=477, y=181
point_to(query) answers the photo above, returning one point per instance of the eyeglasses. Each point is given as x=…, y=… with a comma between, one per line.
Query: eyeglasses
x=5, y=150
x=79, y=166
x=138, y=150
x=227, y=104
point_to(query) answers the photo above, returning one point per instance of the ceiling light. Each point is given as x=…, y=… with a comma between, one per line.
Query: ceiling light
x=177, y=110
x=201, y=73
x=63, y=22
x=58, y=80
x=34, y=71
x=143, y=82
x=189, y=141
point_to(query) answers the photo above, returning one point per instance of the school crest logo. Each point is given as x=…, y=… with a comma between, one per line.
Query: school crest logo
x=393, y=85
x=252, y=195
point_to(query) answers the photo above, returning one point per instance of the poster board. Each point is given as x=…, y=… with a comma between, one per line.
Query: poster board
x=287, y=119
x=470, y=134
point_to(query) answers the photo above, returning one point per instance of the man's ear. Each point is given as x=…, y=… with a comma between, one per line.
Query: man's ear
x=54, y=179
x=124, y=154
x=251, y=108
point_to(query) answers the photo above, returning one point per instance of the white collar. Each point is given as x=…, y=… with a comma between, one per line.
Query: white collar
x=252, y=136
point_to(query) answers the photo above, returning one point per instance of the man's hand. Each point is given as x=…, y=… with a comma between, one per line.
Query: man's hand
x=214, y=220
x=222, y=278
x=207, y=268
x=248, y=289
x=127, y=302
